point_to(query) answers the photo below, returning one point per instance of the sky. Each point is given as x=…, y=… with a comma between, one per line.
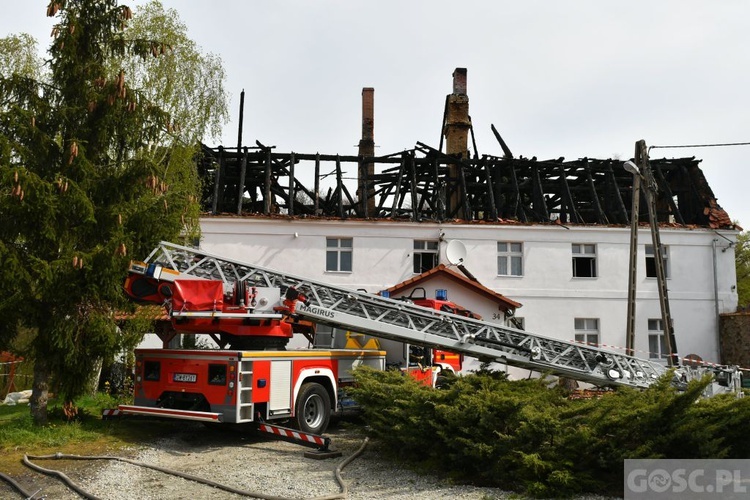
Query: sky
x=574, y=79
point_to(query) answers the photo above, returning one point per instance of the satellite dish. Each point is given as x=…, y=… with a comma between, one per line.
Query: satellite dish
x=455, y=252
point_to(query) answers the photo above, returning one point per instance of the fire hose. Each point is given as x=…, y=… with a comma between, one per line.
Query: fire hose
x=73, y=486
x=17, y=486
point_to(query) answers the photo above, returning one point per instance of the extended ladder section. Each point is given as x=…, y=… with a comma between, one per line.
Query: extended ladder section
x=398, y=320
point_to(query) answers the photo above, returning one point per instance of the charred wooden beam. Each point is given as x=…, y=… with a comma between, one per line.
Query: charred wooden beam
x=489, y=189
x=353, y=207
x=339, y=185
x=567, y=199
x=424, y=185
x=601, y=216
x=217, y=181
x=473, y=140
x=463, y=193
x=693, y=200
x=413, y=185
x=267, y=185
x=503, y=146
x=243, y=169
x=290, y=203
x=664, y=186
x=317, y=185
x=424, y=195
x=365, y=191
x=539, y=203
x=397, y=194
x=426, y=207
x=456, y=188
x=384, y=192
x=445, y=119
x=618, y=205
x=518, y=202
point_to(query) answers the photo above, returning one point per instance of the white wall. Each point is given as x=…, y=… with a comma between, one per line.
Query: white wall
x=551, y=297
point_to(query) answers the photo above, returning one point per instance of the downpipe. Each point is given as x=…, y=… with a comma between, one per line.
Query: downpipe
x=716, y=300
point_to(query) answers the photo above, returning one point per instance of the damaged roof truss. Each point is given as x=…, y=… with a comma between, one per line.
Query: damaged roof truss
x=425, y=184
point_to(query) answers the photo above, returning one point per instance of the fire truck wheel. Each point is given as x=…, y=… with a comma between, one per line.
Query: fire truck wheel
x=313, y=409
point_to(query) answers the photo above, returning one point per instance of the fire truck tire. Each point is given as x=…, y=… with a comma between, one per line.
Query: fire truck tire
x=313, y=408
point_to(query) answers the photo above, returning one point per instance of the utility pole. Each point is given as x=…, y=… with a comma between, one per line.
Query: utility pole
x=633, y=267
x=650, y=191
x=641, y=171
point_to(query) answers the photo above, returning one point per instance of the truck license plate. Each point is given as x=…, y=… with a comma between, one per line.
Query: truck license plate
x=185, y=377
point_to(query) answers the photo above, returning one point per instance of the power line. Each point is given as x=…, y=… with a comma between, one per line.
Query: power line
x=703, y=145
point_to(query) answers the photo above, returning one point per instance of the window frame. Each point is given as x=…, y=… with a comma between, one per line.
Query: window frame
x=583, y=333
x=657, y=341
x=422, y=248
x=651, y=261
x=338, y=250
x=582, y=254
x=508, y=255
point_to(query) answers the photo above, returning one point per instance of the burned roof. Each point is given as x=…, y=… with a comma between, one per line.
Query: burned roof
x=424, y=184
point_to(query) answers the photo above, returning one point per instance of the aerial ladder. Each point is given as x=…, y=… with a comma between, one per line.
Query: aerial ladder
x=399, y=320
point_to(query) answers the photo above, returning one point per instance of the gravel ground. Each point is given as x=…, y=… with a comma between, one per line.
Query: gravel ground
x=251, y=463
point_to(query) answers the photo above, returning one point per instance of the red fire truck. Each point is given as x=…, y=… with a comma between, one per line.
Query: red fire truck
x=253, y=377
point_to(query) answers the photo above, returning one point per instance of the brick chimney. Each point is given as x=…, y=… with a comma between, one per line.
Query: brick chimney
x=366, y=171
x=457, y=122
x=456, y=131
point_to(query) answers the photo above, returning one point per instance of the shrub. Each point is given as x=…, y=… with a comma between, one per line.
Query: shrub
x=524, y=435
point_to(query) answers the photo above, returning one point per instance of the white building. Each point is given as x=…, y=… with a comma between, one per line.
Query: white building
x=572, y=281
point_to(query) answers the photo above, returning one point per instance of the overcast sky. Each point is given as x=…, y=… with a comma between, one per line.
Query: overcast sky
x=573, y=79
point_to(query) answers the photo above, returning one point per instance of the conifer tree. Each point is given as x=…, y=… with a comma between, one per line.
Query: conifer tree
x=92, y=171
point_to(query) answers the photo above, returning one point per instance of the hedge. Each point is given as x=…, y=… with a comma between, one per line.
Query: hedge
x=531, y=438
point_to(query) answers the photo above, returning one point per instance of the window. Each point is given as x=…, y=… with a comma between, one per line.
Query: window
x=425, y=255
x=509, y=258
x=339, y=254
x=587, y=330
x=657, y=346
x=584, y=260
x=651, y=261
x=217, y=374
x=151, y=370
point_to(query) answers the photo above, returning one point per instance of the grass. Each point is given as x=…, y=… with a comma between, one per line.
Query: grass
x=87, y=435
